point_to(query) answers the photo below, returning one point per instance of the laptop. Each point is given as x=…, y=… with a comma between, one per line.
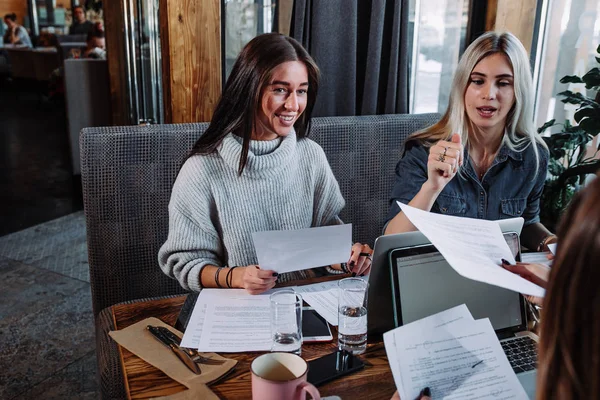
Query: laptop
x=422, y=283
x=379, y=306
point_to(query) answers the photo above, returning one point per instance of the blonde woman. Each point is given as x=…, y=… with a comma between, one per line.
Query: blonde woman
x=483, y=159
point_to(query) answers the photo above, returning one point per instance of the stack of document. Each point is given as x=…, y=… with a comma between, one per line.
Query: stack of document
x=229, y=321
x=452, y=354
x=232, y=320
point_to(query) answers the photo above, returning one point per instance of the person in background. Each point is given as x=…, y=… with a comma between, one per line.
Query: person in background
x=254, y=170
x=484, y=158
x=95, y=43
x=15, y=34
x=80, y=24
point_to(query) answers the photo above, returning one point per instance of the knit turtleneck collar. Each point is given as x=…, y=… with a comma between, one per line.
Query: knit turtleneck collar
x=264, y=156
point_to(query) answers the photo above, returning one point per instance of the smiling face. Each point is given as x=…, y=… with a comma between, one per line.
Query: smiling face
x=283, y=100
x=490, y=94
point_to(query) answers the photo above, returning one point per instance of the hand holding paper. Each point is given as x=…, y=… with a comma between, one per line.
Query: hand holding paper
x=293, y=250
x=473, y=247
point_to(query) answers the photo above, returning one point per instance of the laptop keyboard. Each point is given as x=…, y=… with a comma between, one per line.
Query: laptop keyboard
x=521, y=353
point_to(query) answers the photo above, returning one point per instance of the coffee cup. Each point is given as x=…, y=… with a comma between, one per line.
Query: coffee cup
x=278, y=376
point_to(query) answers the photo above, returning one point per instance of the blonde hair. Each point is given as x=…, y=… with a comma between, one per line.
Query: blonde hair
x=520, y=131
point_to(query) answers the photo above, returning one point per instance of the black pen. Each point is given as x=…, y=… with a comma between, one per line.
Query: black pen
x=477, y=363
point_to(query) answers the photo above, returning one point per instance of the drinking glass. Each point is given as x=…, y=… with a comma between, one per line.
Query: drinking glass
x=286, y=321
x=352, y=315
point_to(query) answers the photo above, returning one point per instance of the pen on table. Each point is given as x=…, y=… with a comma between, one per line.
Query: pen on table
x=476, y=364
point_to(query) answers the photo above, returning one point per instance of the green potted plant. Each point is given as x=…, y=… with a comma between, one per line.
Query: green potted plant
x=569, y=162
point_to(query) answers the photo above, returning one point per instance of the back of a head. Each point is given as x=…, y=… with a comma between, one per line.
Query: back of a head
x=569, y=362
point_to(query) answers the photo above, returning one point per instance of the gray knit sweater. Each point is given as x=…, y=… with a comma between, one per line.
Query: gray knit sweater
x=286, y=184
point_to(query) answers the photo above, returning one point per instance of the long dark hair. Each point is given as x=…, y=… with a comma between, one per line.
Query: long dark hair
x=237, y=108
x=569, y=356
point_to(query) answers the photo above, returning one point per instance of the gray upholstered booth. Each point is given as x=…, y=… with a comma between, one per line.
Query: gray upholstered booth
x=127, y=175
x=87, y=94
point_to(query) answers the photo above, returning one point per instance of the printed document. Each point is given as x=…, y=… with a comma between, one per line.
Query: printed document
x=229, y=321
x=294, y=250
x=454, y=356
x=473, y=247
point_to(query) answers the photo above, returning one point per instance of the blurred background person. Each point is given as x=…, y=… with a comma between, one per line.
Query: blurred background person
x=80, y=23
x=15, y=34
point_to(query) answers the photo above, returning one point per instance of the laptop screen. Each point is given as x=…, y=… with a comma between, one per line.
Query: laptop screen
x=425, y=284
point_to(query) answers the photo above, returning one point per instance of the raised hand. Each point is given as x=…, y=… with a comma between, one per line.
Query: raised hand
x=444, y=159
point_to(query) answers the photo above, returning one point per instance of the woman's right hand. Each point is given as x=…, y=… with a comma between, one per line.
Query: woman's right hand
x=254, y=279
x=443, y=162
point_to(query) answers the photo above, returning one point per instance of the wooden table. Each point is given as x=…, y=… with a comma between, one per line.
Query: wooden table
x=142, y=380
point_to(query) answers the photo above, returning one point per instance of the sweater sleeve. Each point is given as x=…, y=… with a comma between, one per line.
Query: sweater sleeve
x=328, y=200
x=193, y=240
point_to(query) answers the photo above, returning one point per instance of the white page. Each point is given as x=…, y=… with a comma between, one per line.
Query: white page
x=293, y=250
x=537, y=257
x=552, y=248
x=323, y=297
x=473, y=247
x=193, y=331
x=237, y=324
x=455, y=314
x=456, y=361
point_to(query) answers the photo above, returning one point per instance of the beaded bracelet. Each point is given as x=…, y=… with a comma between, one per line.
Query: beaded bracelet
x=334, y=271
x=229, y=276
x=217, y=277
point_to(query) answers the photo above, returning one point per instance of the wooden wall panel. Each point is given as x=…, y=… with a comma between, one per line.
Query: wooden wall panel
x=115, y=54
x=18, y=7
x=515, y=16
x=191, y=51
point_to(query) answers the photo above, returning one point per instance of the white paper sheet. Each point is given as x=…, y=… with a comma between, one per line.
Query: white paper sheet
x=552, y=248
x=293, y=250
x=237, y=324
x=536, y=257
x=323, y=297
x=453, y=315
x=444, y=352
x=473, y=247
x=193, y=332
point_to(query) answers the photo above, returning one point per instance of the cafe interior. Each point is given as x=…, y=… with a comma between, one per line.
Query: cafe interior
x=101, y=101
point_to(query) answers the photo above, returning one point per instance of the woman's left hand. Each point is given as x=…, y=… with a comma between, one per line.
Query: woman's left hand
x=360, y=259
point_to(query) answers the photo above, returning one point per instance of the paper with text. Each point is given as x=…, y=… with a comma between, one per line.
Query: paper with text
x=293, y=250
x=455, y=360
x=473, y=247
x=237, y=324
x=456, y=314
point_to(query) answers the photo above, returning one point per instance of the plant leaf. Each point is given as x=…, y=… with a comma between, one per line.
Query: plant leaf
x=591, y=78
x=571, y=79
x=546, y=125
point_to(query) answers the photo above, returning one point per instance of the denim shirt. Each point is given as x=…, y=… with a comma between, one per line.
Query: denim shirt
x=510, y=187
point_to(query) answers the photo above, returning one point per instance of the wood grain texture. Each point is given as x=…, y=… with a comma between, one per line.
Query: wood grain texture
x=115, y=56
x=517, y=17
x=18, y=7
x=191, y=32
x=375, y=381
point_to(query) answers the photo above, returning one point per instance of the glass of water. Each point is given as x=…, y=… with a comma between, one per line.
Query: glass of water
x=352, y=315
x=286, y=321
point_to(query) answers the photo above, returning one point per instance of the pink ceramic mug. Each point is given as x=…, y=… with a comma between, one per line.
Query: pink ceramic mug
x=277, y=376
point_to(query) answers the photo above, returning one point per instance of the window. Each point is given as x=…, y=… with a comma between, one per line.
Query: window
x=439, y=29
